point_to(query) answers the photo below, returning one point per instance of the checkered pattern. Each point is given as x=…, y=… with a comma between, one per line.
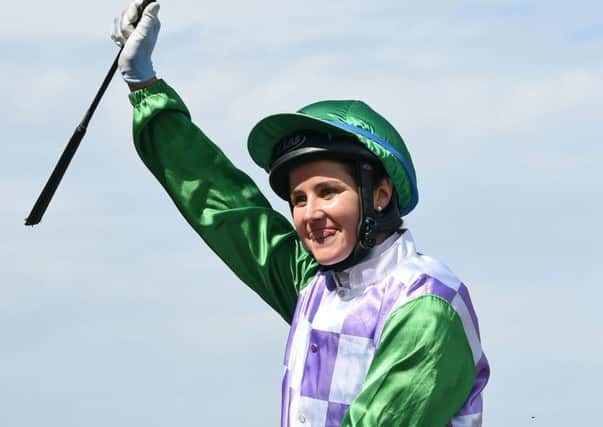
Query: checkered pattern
x=335, y=333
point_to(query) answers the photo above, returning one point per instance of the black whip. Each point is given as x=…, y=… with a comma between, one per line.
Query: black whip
x=35, y=216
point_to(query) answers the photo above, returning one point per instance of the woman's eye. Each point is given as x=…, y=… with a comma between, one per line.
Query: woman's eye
x=328, y=192
x=298, y=200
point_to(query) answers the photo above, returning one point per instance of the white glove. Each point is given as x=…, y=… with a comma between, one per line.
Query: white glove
x=138, y=42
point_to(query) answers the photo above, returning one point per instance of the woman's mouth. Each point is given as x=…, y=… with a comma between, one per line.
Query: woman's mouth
x=319, y=235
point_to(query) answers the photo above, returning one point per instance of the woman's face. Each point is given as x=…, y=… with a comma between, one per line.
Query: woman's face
x=326, y=209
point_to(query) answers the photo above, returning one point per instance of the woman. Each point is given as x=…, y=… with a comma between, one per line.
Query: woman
x=380, y=334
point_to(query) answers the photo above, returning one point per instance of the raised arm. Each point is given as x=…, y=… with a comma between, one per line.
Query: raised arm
x=218, y=200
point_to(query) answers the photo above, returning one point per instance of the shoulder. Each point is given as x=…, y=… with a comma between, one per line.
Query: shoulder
x=418, y=272
x=431, y=292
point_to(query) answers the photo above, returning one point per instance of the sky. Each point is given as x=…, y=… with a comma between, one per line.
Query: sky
x=114, y=312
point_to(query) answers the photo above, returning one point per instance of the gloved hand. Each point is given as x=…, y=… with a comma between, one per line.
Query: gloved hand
x=138, y=43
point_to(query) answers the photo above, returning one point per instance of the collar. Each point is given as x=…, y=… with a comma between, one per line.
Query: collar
x=381, y=260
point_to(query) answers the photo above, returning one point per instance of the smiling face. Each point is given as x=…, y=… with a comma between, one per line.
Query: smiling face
x=326, y=209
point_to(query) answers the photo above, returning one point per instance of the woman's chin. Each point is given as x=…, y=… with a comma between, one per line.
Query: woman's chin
x=326, y=257
x=331, y=250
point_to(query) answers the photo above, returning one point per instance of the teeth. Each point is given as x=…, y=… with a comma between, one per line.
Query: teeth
x=322, y=234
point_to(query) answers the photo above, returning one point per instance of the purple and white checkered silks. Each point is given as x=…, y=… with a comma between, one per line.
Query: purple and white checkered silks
x=336, y=330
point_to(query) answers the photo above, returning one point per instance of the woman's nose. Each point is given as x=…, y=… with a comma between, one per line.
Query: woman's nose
x=314, y=210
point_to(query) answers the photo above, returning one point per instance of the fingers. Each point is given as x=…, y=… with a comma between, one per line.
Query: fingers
x=152, y=10
x=132, y=12
x=123, y=27
x=149, y=25
x=137, y=43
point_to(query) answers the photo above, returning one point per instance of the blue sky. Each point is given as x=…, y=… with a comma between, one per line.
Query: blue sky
x=113, y=312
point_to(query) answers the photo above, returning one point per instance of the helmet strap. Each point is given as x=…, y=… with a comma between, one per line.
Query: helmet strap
x=367, y=226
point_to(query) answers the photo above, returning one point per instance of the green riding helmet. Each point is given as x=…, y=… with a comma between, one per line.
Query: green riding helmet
x=341, y=119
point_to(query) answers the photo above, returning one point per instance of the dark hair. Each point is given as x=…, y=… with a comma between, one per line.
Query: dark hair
x=378, y=172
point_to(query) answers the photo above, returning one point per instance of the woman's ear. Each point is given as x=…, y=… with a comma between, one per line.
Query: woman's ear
x=382, y=194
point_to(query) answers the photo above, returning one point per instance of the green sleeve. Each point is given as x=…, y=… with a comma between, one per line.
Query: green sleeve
x=219, y=201
x=422, y=371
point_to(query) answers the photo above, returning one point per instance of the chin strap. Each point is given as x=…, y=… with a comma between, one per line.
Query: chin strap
x=367, y=227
